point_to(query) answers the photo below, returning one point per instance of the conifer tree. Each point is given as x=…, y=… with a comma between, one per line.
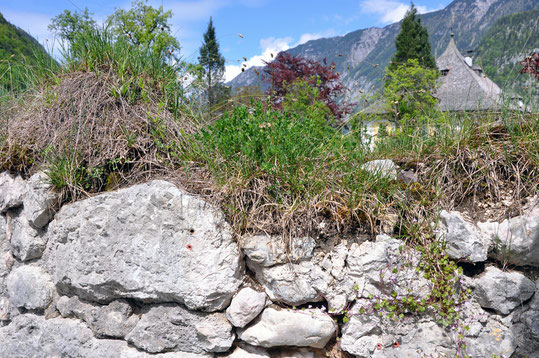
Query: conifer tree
x=212, y=62
x=413, y=42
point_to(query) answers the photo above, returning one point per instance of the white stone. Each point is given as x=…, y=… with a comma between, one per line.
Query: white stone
x=267, y=250
x=464, y=240
x=174, y=328
x=382, y=167
x=515, y=240
x=306, y=328
x=27, y=242
x=321, y=277
x=245, y=306
x=502, y=291
x=29, y=287
x=12, y=190
x=40, y=200
x=152, y=242
x=386, y=265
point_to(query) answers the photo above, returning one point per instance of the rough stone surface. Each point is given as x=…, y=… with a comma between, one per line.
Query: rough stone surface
x=40, y=200
x=382, y=167
x=27, y=242
x=5, y=246
x=113, y=320
x=152, y=242
x=495, y=340
x=267, y=251
x=415, y=337
x=33, y=336
x=373, y=265
x=12, y=190
x=321, y=277
x=174, y=328
x=515, y=240
x=245, y=306
x=29, y=287
x=247, y=351
x=308, y=328
x=464, y=241
x=502, y=291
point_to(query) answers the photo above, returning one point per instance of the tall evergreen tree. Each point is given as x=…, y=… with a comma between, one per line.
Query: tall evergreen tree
x=413, y=42
x=212, y=62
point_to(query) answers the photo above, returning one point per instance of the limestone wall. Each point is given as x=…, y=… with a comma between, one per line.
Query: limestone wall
x=151, y=270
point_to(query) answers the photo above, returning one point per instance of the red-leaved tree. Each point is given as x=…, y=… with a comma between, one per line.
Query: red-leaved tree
x=286, y=69
x=531, y=65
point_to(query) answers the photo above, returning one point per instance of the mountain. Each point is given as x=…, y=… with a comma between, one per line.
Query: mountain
x=361, y=56
x=504, y=45
x=15, y=41
x=18, y=53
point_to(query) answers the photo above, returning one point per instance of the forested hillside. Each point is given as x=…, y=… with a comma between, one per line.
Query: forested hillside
x=508, y=42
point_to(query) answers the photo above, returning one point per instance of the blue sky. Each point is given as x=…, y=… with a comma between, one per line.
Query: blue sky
x=267, y=26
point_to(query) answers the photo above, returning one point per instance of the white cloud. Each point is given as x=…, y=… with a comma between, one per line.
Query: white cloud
x=390, y=11
x=272, y=46
x=315, y=36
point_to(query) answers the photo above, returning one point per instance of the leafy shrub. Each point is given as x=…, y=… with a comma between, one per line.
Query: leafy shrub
x=286, y=69
x=409, y=92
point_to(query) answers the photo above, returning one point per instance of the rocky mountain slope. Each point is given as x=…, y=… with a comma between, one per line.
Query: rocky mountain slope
x=362, y=55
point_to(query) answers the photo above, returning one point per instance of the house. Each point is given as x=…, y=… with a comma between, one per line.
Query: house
x=463, y=86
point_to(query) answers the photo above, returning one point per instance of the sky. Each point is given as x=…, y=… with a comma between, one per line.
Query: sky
x=253, y=29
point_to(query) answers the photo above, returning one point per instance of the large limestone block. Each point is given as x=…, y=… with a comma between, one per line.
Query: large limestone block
x=34, y=336
x=152, y=242
x=245, y=306
x=308, y=328
x=12, y=190
x=464, y=240
x=173, y=328
x=515, y=240
x=502, y=291
x=113, y=320
x=40, y=200
x=30, y=287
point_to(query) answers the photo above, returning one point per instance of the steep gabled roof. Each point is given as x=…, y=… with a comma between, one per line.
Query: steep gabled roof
x=464, y=87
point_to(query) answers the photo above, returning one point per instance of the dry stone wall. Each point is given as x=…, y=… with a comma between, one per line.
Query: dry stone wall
x=152, y=271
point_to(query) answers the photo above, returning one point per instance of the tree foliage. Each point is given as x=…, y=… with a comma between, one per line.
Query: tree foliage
x=69, y=24
x=213, y=64
x=409, y=91
x=287, y=69
x=147, y=26
x=530, y=65
x=413, y=42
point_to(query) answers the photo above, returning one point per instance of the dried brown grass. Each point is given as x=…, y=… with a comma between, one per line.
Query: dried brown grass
x=81, y=121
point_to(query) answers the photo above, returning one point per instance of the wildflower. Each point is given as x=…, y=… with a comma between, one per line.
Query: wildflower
x=189, y=247
x=378, y=346
x=396, y=345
